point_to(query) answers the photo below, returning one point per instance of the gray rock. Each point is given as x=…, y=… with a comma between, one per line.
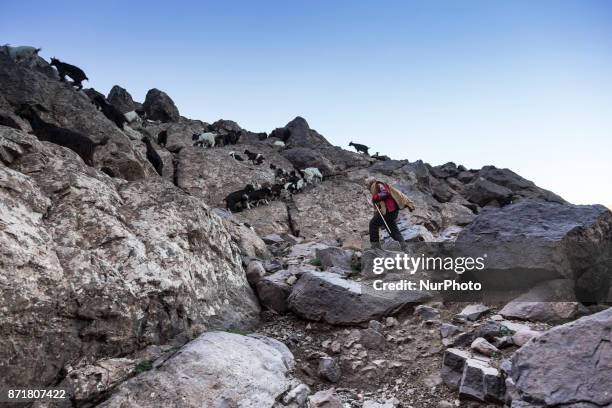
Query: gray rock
x=159, y=106
x=330, y=298
x=303, y=157
x=481, y=382
x=490, y=330
x=517, y=184
x=87, y=382
x=329, y=369
x=482, y=192
x=550, y=301
x=484, y=347
x=273, y=290
x=444, y=171
x=426, y=312
x=335, y=257
x=325, y=399
x=474, y=312
x=456, y=213
x=214, y=370
x=466, y=176
x=453, y=363
x=448, y=330
x=389, y=403
x=372, y=339
x=254, y=272
x=300, y=134
x=375, y=325
x=121, y=99
x=568, y=364
x=534, y=241
x=297, y=397
x=521, y=337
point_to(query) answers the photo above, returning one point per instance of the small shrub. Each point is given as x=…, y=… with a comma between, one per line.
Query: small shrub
x=237, y=331
x=315, y=262
x=143, y=366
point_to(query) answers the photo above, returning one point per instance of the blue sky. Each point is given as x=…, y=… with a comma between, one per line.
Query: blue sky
x=520, y=84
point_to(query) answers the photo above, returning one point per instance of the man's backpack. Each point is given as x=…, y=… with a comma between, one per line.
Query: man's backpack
x=401, y=199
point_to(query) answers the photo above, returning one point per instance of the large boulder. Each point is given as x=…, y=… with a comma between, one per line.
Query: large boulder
x=273, y=290
x=159, y=106
x=73, y=110
x=569, y=365
x=533, y=241
x=483, y=192
x=216, y=370
x=551, y=301
x=517, y=184
x=298, y=133
x=303, y=157
x=99, y=267
x=324, y=296
x=121, y=99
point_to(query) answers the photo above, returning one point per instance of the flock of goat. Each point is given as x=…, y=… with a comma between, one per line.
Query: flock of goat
x=286, y=182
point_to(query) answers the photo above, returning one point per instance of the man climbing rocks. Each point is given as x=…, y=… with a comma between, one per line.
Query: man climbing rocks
x=389, y=202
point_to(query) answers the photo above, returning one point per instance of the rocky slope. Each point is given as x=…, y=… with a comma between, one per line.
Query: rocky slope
x=131, y=288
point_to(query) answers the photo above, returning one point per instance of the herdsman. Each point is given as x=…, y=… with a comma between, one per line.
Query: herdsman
x=389, y=201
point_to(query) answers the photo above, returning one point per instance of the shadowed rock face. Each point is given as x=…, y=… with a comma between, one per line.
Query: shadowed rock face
x=94, y=266
x=535, y=240
x=569, y=364
x=159, y=106
x=121, y=99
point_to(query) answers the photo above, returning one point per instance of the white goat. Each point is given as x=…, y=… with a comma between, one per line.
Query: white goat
x=312, y=175
x=207, y=138
x=131, y=116
x=20, y=53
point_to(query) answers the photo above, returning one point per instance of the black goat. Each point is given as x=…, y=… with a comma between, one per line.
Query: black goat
x=261, y=196
x=277, y=190
x=281, y=133
x=230, y=138
x=75, y=141
x=236, y=156
x=75, y=73
x=113, y=114
x=256, y=158
x=153, y=157
x=360, y=148
x=239, y=200
x=162, y=138
x=379, y=157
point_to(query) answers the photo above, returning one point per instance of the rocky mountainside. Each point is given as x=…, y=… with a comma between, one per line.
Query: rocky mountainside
x=128, y=282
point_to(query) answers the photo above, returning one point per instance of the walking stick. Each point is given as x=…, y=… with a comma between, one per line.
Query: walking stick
x=379, y=213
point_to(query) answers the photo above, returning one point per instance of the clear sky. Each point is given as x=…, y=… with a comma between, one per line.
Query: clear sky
x=520, y=84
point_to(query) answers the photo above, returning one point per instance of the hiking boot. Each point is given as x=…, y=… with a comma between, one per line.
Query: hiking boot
x=375, y=245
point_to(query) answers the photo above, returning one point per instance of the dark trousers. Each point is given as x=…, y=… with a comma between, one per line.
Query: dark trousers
x=377, y=222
